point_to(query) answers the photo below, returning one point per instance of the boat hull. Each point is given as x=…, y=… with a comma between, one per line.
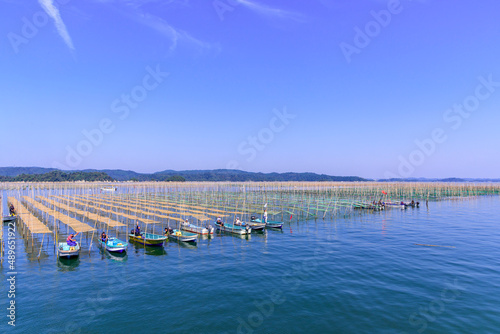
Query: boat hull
x=197, y=229
x=66, y=251
x=230, y=228
x=183, y=237
x=257, y=226
x=148, y=239
x=270, y=224
x=114, y=245
x=368, y=207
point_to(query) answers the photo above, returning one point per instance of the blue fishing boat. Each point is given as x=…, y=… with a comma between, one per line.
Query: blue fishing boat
x=183, y=236
x=255, y=225
x=114, y=245
x=66, y=251
x=270, y=223
x=231, y=228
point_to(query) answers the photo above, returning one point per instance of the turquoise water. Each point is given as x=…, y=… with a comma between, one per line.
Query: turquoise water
x=361, y=274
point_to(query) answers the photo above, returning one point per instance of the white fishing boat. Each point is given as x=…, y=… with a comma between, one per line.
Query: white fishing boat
x=197, y=229
x=109, y=189
x=65, y=250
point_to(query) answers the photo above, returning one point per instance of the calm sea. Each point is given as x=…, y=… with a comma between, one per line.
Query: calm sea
x=361, y=274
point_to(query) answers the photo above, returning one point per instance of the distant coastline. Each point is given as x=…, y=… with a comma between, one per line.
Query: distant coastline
x=42, y=174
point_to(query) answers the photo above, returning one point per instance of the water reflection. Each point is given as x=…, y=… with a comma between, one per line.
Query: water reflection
x=187, y=245
x=65, y=264
x=138, y=248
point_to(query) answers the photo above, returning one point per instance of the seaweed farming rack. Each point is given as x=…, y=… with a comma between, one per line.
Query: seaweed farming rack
x=57, y=209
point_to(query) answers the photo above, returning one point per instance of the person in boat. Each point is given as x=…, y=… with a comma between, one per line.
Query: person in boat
x=71, y=241
x=186, y=222
x=104, y=237
x=265, y=216
x=137, y=231
x=168, y=230
x=238, y=221
x=412, y=203
x=12, y=210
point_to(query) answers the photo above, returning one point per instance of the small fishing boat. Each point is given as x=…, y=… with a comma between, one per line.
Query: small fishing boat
x=197, y=229
x=109, y=189
x=269, y=224
x=9, y=219
x=366, y=206
x=394, y=205
x=231, y=228
x=148, y=239
x=183, y=236
x=256, y=226
x=66, y=251
x=114, y=245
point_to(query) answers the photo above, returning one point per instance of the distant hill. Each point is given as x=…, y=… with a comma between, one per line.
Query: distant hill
x=188, y=175
x=14, y=171
x=58, y=176
x=232, y=175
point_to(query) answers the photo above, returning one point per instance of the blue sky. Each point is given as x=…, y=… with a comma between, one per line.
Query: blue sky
x=369, y=88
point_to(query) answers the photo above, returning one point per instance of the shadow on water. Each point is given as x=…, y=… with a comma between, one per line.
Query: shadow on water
x=232, y=235
x=117, y=257
x=65, y=264
x=188, y=245
x=149, y=250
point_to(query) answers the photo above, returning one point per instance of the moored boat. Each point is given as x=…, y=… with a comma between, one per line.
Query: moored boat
x=114, y=245
x=270, y=223
x=366, y=206
x=256, y=226
x=394, y=205
x=231, y=228
x=183, y=236
x=197, y=229
x=148, y=239
x=66, y=251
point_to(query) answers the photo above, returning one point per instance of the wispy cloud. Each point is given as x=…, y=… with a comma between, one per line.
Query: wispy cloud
x=140, y=12
x=269, y=11
x=163, y=27
x=53, y=12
